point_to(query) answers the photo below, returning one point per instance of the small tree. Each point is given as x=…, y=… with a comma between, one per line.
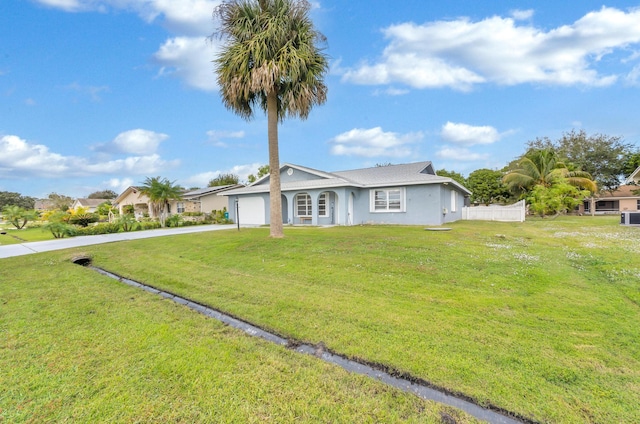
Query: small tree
x=17, y=216
x=160, y=191
x=555, y=200
x=60, y=201
x=456, y=176
x=487, y=187
x=58, y=225
x=127, y=222
x=262, y=171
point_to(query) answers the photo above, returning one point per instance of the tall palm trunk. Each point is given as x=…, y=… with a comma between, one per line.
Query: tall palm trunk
x=275, y=196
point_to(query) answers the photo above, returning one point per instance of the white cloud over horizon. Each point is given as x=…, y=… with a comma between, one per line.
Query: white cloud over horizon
x=202, y=179
x=469, y=135
x=461, y=53
x=19, y=158
x=374, y=142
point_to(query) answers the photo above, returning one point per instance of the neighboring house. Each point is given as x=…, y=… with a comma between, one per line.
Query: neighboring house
x=621, y=200
x=91, y=205
x=207, y=199
x=201, y=200
x=614, y=202
x=42, y=205
x=396, y=194
x=132, y=196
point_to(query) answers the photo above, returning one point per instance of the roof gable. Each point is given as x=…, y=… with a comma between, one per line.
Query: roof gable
x=634, y=177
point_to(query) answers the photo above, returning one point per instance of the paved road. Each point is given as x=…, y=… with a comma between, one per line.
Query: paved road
x=66, y=243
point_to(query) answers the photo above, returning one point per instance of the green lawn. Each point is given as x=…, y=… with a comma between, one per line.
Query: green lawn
x=540, y=318
x=14, y=236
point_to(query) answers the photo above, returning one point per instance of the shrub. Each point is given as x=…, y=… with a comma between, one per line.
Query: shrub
x=60, y=229
x=174, y=221
x=149, y=225
x=127, y=222
x=103, y=228
x=83, y=219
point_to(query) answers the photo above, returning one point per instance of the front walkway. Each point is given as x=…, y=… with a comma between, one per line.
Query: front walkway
x=21, y=249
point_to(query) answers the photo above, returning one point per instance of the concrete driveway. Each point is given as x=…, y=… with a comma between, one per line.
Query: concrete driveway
x=66, y=243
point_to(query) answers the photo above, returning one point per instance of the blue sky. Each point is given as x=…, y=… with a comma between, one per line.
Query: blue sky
x=100, y=94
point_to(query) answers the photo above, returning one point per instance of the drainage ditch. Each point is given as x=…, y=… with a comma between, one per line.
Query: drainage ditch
x=408, y=384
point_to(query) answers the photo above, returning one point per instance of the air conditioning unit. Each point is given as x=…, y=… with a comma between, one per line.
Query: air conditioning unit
x=630, y=218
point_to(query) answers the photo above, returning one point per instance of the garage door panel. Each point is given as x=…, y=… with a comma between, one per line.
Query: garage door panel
x=251, y=210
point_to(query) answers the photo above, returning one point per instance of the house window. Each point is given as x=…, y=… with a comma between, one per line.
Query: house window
x=303, y=204
x=453, y=201
x=322, y=204
x=638, y=205
x=387, y=200
x=180, y=207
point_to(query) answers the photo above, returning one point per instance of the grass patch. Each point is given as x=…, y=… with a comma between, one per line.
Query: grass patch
x=14, y=236
x=79, y=347
x=539, y=318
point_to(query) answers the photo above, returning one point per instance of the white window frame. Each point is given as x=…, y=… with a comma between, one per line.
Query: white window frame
x=308, y=205
x=180, y=207
x=454, y=198
x=375, y=206
x=323, y=203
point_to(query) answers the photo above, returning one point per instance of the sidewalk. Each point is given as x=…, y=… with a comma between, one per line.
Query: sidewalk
x=66, y=243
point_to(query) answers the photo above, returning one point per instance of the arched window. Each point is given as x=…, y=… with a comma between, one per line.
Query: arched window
x=303, y=204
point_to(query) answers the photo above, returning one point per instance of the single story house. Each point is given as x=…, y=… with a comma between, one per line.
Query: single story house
x=396, y=194
x=201, y=200
x=620, y=200
x=208, y=199
x=91, y=205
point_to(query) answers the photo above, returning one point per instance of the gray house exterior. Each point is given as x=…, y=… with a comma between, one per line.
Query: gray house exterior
x=408, y=194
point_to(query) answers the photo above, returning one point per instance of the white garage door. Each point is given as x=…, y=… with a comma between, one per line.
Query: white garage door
x=251, y=210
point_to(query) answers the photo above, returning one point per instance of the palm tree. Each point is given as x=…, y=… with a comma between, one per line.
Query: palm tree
x=270, y=60
x=542, y=167
x=160, y=191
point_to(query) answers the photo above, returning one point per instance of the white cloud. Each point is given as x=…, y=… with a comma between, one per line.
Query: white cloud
x=66, y=5
x=21, y=158
x=184, y=16
x=139, y=141
x=461, y=53
x=202, y=179
x=469, y=135
x=118, y=184
x=463, y=155
x=189, y=58
x=216, y=137
x=522, y=15
x=374, y=142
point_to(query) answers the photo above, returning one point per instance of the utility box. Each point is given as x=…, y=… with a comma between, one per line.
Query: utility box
x=630, y=218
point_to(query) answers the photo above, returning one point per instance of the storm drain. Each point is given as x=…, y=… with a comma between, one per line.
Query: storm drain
x=405, y=384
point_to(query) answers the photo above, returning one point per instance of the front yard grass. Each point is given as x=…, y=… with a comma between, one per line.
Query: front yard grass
x=79, y=347
x=540, y=318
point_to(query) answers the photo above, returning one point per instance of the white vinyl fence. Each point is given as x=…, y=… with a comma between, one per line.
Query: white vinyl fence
x=513, y=213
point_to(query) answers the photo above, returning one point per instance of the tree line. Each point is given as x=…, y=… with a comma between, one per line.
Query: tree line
x=555, y=176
